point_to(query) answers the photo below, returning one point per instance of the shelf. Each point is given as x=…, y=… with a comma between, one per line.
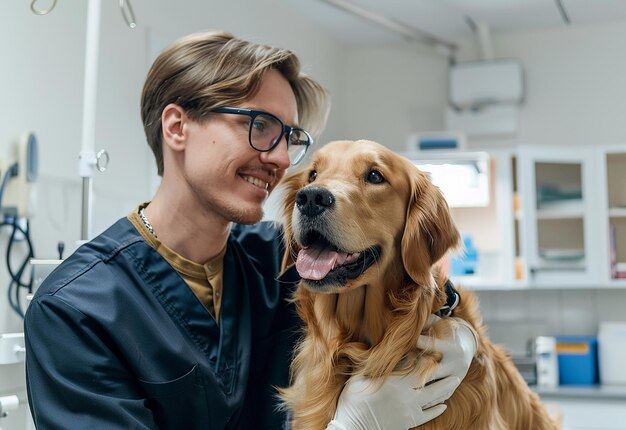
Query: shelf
x=616, y=283
x=561, y=210
x=583, y=391
x=617, y=212
x=479, y=282
x=553, y=266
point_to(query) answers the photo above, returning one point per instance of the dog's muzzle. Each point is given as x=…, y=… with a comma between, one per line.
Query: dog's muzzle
x=312, y=201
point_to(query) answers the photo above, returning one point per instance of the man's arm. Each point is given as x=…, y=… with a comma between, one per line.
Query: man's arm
x=74, y=379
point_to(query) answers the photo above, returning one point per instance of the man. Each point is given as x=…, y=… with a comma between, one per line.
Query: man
x=174, y=319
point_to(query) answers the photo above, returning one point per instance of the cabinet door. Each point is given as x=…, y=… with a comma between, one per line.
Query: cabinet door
x=612, y=226
x=491, y=229
x=558, y=193
x=589, y=413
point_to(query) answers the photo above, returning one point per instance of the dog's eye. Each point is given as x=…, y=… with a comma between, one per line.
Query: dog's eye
x=312, y=175
x=375, y=177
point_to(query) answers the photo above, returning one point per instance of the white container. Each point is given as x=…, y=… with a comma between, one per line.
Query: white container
x=612, y=353
x=547, y=362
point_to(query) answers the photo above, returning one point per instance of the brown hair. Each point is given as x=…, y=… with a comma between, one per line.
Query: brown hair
x=203, y=71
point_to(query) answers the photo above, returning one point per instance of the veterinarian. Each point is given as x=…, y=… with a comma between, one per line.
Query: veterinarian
x=174, y=317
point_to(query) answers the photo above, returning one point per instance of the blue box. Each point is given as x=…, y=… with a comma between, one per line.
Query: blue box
x=578, y=360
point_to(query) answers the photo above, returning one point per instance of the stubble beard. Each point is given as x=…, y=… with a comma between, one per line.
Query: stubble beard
x=241, y=216
x=222, y=204
x=233, y=213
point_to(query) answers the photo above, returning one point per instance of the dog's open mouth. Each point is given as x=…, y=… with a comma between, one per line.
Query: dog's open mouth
x=320, y=261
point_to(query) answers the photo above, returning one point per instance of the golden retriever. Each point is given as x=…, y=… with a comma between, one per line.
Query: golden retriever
x=365, y=228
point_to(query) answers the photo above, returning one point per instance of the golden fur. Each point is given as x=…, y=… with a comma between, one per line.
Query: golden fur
x=370, y=325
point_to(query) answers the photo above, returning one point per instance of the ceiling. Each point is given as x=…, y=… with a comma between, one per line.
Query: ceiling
x=451, y=20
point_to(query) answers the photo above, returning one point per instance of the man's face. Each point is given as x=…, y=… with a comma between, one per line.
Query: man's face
x=225, y=174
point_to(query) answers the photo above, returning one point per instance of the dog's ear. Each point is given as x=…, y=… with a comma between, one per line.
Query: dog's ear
x=429, y=231
x=289, y=186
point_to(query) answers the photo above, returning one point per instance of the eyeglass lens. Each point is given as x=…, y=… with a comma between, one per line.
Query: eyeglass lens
x=265, y=130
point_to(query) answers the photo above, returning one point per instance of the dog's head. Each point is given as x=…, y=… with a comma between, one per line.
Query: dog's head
x=360, y=214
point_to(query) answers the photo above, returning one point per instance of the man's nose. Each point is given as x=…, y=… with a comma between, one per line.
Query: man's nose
x=279, y=156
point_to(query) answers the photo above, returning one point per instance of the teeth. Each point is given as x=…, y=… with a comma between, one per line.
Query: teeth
x=352, y=257
x=349, y=258
x=256, y=181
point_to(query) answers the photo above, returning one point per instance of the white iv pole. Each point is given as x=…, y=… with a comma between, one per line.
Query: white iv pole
x=88, y=161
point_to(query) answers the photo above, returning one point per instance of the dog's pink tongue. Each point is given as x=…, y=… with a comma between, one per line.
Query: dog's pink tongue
x=314, y=263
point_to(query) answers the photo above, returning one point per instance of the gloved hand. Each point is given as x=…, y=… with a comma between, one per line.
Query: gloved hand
x=397, y=405
x=458, y=349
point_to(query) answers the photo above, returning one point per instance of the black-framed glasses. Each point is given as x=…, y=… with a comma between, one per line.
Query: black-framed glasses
x=266, y=131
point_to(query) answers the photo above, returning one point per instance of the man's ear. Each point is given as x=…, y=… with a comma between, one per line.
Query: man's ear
x=173, y=120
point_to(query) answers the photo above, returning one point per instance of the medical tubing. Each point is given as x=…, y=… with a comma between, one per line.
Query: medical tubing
x=26, y=233
x=15, y=287
x=15, y=302
x=11, y=171
x=16, y=282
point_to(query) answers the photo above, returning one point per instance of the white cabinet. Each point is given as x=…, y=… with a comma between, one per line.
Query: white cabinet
x=611, y=166
x=560, y=198
x=549, y=219
x=588, y=413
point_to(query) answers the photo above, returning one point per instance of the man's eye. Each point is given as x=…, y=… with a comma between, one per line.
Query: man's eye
x=312, y=175
x=375, y=177
x=259, y=125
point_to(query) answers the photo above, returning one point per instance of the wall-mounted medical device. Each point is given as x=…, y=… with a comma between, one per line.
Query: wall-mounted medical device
x=19, y=171
x=484, y=97
x=478, y=84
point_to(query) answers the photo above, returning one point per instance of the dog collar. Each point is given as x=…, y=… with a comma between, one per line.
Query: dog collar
x=453, y=299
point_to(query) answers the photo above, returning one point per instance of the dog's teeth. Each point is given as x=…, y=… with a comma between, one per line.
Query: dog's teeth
x=341, y=259
x=352, y=257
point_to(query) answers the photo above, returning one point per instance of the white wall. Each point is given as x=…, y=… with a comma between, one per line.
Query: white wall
x=392, y=91
x=575, y=87
x=576, y=83
x=41, y=83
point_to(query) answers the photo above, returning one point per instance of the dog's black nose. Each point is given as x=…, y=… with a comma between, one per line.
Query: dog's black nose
x=312, y=201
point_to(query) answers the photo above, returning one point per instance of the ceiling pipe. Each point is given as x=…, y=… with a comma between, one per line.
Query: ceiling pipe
x=483, y=35
x=484, y=41
x=564, y=16
x=405, y=31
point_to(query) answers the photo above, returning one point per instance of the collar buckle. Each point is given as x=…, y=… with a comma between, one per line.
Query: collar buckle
x=453, y=299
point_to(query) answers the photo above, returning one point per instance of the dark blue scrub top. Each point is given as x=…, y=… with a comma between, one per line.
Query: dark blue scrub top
x=116, y=340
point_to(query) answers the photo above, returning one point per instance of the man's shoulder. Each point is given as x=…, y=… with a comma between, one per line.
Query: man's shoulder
x=82, y=265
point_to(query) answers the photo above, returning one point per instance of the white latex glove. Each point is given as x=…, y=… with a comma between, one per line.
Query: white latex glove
x=397, y=405
x=458, y=349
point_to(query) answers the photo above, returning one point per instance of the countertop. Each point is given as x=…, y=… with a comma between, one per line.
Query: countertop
x=600, y=392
